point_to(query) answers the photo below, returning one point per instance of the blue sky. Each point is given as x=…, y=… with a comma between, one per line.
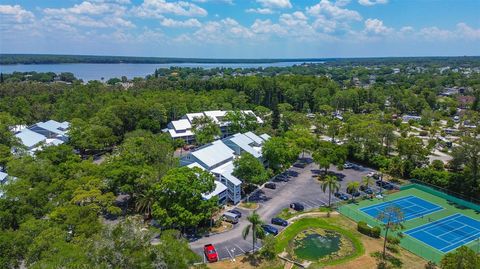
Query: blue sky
x=242, y=28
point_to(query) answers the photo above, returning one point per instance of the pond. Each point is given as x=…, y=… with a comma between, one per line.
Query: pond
x=320, y=245
x=315, y=246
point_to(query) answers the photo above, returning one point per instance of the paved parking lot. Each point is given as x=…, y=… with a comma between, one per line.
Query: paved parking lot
x=302, y=188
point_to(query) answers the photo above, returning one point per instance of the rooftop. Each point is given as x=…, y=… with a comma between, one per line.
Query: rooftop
x=219, y=188
x=214, y=153
x=30, y=138
x=226, y=171
x=54, y=126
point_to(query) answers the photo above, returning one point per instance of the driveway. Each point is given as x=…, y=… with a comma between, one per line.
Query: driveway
x=303, y=189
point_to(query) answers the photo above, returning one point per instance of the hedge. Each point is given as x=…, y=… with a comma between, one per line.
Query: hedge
x=363, y=228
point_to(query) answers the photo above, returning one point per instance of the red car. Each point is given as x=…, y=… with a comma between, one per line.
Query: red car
x=210, y=253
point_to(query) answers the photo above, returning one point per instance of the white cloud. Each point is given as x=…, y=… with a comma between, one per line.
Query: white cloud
x=186, y=23
x=332, y=11
x=376, y=26
x=275, y=3
x=263, y=11
x=369, y=3
x=98, y=14
x=468, y=32
x=15, y=13
x=267, y=27
x=158, y=8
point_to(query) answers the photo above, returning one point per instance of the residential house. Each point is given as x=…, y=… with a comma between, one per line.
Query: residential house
x=36, y=136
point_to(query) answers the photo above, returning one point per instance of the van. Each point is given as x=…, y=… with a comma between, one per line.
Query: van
x=230, y=217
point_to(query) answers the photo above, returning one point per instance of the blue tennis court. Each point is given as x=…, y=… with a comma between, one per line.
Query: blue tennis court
x=448, y=233
x=411, y=206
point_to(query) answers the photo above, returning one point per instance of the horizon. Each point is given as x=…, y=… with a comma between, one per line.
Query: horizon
x=233, y=29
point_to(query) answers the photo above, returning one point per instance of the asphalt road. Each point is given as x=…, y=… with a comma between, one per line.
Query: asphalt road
x=303, y=189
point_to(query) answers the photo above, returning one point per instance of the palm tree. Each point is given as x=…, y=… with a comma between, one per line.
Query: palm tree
x=352, y=188
x=392, y=217
x=332, y=184
x=255, y=226
x=145, y=202
x=367, y=181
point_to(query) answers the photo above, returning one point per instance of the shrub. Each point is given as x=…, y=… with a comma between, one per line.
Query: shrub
x=363, y=228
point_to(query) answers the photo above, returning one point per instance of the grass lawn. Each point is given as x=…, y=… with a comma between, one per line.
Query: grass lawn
x=288, y=213
x=288, y=234
x=248, y=205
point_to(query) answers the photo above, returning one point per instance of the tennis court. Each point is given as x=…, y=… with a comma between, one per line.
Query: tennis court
x=411, y=206
x=448, y=233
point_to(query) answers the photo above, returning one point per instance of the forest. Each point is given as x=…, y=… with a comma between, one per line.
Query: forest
x=56, y=213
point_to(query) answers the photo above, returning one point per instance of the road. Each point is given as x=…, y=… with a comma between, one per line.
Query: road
x=303, y=189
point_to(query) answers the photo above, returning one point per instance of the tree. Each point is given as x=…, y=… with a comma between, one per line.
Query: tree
x=352, y=188
x=327, y=154
x=240, y=122
x=205, y=130
x=279, y=153
x=90, y=137
x=332, y=184
x=249, y=169
x=367, y=181
x=463, y=257
x=128, y=245
x=179, y=201
x=466, y=157
x=334, y=128
x=392, y=217
x=301, y=137
x=255, y=226
x=144, y=203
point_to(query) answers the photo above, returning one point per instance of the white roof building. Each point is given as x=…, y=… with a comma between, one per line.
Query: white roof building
x=219, y=190
x=29, y=138
x=213, y=154
x=182, y=128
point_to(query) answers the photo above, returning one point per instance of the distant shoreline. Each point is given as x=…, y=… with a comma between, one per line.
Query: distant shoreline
x=27, y=59
x=12, y=59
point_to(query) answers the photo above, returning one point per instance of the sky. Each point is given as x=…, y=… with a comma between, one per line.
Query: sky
x=242, y=28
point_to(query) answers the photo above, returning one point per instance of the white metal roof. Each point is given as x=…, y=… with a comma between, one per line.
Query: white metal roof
x=195, y=164
x=245, y=143
x=54, y=142
x=254, y=137
x=215, y=114
x=265, y=136
x=226, y=171
x=174, y=134
x=3, y=176
x=191, y=116
x=30, y=138
x=182, y=124
x=219, y=188
x=54, y=126
x=214, y=153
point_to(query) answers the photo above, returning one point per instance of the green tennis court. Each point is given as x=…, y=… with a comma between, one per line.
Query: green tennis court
x=441, y=207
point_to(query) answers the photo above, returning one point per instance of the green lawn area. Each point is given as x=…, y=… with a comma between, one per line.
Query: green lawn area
x=331, y=224
x=421, y=249
x=287, y=213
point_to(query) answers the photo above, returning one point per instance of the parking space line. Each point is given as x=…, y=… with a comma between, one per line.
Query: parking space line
x=231, y=257
x=239, y=248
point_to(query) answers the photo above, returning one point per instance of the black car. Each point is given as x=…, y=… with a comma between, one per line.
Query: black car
x=341, y=196
x=270, y=185
x=297, y=206
x=269, y=229
x=300, y=165
x=366, y=189
x=279, y=221
x=282, y=178
x=236, y=212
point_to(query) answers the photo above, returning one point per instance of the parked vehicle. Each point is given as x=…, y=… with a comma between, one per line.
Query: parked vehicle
x=348, y=165
x=210, y=253
x=270, y=185
x=230, y=217
x=269, y=229
x=341, y=196
x=366, y=189
x=300, y=164
x=297, y=206
x=236, y=212
x=279, y=221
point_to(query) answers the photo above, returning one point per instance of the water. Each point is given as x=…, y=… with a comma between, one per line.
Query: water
x=314, y=246
x=106, y=71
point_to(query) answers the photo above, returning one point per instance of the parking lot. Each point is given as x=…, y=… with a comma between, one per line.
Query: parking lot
x=301, y=187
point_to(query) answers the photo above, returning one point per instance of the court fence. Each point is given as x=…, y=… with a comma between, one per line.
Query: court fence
x=437, y=191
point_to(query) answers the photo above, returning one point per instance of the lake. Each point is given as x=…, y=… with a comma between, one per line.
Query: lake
x=98, y=71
